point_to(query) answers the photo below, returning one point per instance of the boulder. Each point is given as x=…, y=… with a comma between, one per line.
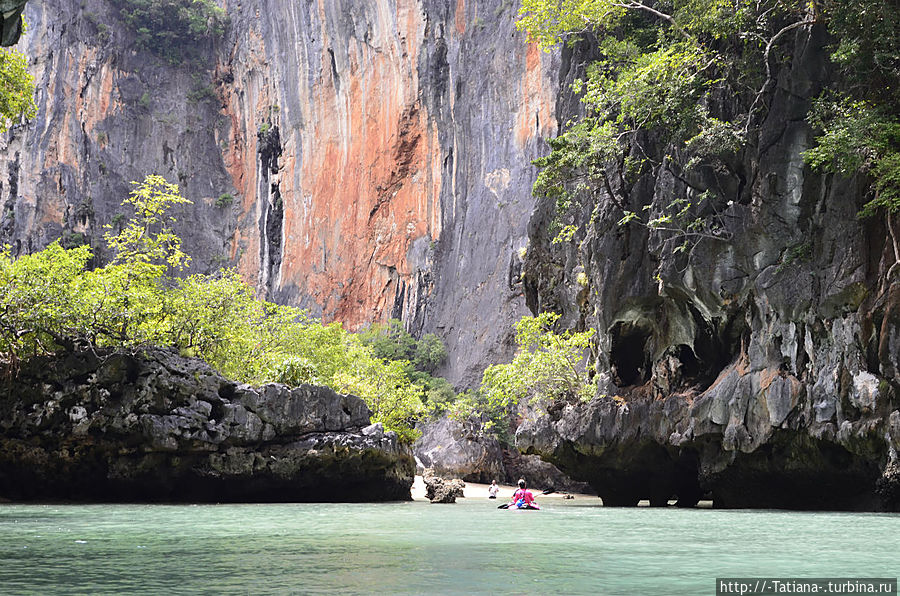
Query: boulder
x=440, y=490
x=463, y=449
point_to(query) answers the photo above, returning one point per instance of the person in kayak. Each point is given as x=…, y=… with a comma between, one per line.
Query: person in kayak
x=523, y=498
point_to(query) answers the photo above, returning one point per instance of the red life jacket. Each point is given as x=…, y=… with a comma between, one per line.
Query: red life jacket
x=524, y=495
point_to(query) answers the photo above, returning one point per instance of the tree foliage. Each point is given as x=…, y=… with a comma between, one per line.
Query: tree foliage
x=391, y=341
x=418, y=359
x=51, y=302
x=148, y=237
x=680, y=85
x=173, y=29
x=547, y=365
x=695, y=77
x=16, y=89
x=860, y=129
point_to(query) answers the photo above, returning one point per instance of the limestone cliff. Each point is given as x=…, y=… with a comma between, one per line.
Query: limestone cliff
x=154, y=426
x=361, y=159
x=761, y=368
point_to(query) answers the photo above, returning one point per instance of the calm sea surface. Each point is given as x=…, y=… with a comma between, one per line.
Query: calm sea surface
x=418, y=548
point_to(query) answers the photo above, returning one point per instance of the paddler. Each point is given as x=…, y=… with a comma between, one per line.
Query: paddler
x=523, y=498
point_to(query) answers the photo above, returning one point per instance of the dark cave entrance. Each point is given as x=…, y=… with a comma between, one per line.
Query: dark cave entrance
x=630, y=358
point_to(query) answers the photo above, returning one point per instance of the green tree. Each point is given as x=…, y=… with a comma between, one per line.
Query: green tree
x=429, y=353
x=857, y=116
x=174, y=29
x=420, y=359
x=16, y=89
x=547, y=365
x=50, y=302
x=148, y=237
x=38, y=312
x=393, y=399
x=390, y=340
x=860, y=130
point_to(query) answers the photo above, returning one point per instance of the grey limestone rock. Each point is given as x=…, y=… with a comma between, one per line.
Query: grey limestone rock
x=462, y=449
x=759, y=369
x=421, y=117
x=154, y=426
x=457, y=449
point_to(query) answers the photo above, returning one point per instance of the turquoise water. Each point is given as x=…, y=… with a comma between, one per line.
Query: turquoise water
x=418, y=548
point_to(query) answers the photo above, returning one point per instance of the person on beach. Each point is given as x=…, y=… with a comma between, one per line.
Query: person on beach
x=493, y=489
x=522, y=498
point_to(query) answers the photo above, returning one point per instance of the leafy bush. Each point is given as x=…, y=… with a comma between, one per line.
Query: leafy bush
x=392, y=342
x=547, y=365
x=418, y=359
x=860, y=130
x=694, y=74
x=698, y=75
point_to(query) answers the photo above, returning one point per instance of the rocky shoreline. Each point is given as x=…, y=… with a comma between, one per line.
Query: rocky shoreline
x=752, y=440
x=157, y=427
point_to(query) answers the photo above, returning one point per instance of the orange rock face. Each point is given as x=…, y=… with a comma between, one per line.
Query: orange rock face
x=378, y=153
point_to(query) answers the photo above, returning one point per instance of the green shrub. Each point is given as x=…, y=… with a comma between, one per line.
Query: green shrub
x=17, y=90
x=202, y=93
x=547, y=365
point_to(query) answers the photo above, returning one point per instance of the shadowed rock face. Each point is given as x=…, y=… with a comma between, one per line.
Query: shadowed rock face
x=378, y=154
x=762, y=369
x=463, y=449
x=459, y=450
x=158, y=427
x=11, y=21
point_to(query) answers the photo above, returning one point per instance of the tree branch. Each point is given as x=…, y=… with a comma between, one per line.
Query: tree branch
x=770, y=80
x=635, y=5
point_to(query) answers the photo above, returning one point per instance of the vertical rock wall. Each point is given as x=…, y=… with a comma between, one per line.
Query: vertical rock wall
x=363, y=160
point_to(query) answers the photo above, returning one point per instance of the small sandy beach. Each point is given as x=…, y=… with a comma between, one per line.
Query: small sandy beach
x=475, y=490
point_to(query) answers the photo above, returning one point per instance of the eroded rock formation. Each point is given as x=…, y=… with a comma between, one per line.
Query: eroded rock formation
x=158, y=427
x=464, y=449
x=761, y=368
x=458, y=449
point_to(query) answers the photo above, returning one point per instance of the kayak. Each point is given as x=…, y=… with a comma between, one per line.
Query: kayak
x=532, y=507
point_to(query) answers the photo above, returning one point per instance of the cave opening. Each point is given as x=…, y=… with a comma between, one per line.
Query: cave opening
x=692, y=370
x=630, y=356
x=716, y=345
